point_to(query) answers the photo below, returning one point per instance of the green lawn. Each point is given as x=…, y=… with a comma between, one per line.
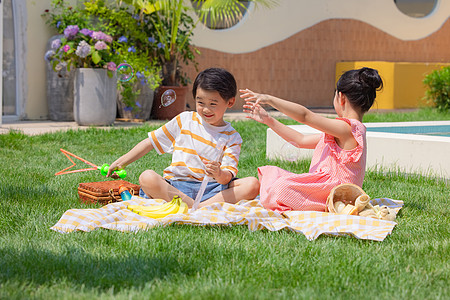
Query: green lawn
x=179, y=262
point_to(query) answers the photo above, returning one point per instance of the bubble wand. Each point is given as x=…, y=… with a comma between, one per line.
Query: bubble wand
x=219, y=148
x=103, y=169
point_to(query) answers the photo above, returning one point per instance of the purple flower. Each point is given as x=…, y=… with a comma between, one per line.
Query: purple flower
x=66, y=48
x=58, y=24
x=100, y=36
x=111, y=66
x=161, y=45
x=100, y=45
x=122, y=39
x=56, y=44
x=108, y=39
x=60, y=66
x=139, y=75
x=71, y=31
x=83, y=49
x=132, y=49
x=86, y=32
x=151, y=40
x=49, y=55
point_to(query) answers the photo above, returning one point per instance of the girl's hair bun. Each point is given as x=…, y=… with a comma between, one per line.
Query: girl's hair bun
x=371, y=78
x=360, y=86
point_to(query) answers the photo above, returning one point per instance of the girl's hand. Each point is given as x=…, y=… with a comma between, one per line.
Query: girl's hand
x=256, y=98
x=212, y=169
x=253, y=107
x=256, y=112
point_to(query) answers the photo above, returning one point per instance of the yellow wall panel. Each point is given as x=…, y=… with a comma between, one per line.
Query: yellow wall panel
x=403, y=82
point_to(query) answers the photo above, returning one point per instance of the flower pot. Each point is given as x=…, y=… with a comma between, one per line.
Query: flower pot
x=95, y=95
x=144, y=103
x=59, y=90
x=161, y=112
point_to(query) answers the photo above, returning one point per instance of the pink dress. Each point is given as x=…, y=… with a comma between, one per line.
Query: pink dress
x=331, y=165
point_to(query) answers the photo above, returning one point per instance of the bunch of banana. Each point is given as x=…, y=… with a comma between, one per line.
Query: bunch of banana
x=176, y=206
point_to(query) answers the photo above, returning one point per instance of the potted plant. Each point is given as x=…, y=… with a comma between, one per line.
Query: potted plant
x=95, y=83
x=60, y=84
x=174, y=27
x=130, y=45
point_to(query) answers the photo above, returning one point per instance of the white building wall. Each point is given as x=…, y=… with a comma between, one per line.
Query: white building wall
x=262, y=27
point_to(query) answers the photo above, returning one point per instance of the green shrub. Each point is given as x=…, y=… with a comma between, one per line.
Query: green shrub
x=438, y=92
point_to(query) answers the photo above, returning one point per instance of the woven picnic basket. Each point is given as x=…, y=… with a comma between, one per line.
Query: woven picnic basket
x=104, y=192
x=346, y=193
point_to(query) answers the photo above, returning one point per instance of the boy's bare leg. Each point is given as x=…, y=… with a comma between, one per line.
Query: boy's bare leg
x=157, y=187
x=240, y=189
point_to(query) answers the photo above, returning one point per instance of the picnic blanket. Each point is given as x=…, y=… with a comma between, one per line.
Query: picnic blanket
x=116, y=216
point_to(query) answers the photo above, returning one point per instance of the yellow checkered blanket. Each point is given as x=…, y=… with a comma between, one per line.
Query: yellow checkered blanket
x=116, y=216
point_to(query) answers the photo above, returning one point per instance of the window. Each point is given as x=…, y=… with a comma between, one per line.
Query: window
x=234, y=17
x=416, y=8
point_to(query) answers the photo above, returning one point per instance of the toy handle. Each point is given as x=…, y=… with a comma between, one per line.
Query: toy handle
x=105, y=168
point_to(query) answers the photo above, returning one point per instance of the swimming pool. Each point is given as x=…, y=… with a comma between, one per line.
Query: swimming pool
x=434, y=130
x=410, y=147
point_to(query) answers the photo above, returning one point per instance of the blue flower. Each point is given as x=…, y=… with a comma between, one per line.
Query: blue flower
x=161, y=45
x=58, y=24
x=139, y=74
x=132, y=49
x=122, y=39
x=151, y=40
x=138, y=104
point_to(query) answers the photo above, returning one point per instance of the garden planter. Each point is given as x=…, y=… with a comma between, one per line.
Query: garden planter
x=59, y=90
x=161, y=112
x=95, y=96
x=144, y=103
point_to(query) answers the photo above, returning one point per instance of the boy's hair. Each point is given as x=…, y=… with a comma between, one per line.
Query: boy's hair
x=360, y=87
x=216, y=79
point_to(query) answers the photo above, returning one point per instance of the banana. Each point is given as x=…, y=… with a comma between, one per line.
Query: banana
x=164, y=206
x=183, y=207
x=173, y=209
x=175, y=206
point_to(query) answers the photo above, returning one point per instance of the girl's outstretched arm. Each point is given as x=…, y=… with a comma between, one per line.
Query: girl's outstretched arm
x=297, y=139
x=337, y=128
x=293, y=110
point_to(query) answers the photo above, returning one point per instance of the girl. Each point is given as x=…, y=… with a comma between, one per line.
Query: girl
x=340, y=151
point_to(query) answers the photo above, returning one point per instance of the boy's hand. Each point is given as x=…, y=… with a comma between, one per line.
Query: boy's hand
x=212, y=168
x=111, y=170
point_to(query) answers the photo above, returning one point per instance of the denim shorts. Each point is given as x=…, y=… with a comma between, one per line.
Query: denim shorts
x=191, y=188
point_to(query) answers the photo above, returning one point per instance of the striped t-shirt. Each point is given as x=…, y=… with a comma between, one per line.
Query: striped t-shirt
x=190, y=140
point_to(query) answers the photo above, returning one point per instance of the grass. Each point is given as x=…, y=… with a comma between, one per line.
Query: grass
x=423, y=114
x=186, y=262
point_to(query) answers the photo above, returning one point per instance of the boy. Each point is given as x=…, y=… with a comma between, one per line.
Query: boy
x=191, y=137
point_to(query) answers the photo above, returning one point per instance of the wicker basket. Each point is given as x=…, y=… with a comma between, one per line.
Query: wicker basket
x=346, y=193
x=104, y=192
